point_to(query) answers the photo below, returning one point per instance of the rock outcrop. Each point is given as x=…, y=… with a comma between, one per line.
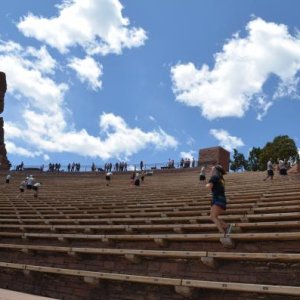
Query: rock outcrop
x=4, y=163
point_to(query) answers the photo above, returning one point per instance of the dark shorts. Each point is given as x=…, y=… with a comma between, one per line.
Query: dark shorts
x=22, y=190
x=137, y=182
x=219, y=201
x=107, y=178
x=270, y=173
x=282, y=172
x=202, y=177
x=7, y=180
x=35, y=188
x=29, y=187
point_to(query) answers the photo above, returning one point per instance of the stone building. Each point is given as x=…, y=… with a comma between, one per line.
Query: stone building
x=210, y=156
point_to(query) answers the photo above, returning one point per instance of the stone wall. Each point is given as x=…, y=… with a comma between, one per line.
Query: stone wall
x=210, y=156
x=4, y=163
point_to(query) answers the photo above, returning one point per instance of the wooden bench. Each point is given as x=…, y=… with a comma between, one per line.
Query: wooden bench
x=162, y=219
x=282, y=257
x=283, y=225
x=181, y=285
x=160, y=239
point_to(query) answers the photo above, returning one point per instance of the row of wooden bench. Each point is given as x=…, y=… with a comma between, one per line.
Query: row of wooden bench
x=178, y=228
x=238, y=208
x=133, y=255
x=182, y=286
x=153, y=220
x=161, y=239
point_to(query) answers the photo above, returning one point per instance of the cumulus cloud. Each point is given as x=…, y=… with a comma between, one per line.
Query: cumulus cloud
x=236, y=81
x=88, y=70
x=96, y=25
x=226, y=140
x=13, y=149
x=119, y=140
x=46, y=157
x=28, y=70
x=42, y=126
x=190, y=141
x=190, y=154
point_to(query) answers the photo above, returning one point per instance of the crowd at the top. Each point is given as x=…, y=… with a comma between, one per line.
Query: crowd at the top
x=119, y=166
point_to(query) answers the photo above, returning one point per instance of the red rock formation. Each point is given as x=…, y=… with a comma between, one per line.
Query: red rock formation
x=4, y=163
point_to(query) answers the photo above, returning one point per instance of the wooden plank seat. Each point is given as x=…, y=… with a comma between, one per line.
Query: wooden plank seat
x=275, y=225
x=281, y=208
x=130, y=220
x=186, y=211
x=282, y=194
x=271, y=202
x=62, y=215
x=145, y=205
x=176, y=282
x=281, y=257
x=159, y=238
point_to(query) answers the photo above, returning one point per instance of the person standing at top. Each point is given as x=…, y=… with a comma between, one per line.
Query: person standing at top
x=270, y=172
x=141, y=165
x=218, y=203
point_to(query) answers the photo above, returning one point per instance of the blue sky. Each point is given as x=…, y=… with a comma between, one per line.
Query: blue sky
x=106, y=80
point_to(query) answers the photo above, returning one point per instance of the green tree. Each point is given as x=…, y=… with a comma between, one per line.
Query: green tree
x=282, y=147
x=253, y=159
x=239, y=162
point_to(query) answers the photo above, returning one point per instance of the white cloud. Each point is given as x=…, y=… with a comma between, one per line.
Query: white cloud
x=44, y=61
x=46, y=157
x=27, y=70
x=88, y=70
x=226, y=140
x=151, y=118
x=240, y=71
x=13, y=149
x=96, y=25
x=42, y=127
x=120, y=141
x=190, y=141
x=262, y=106
x=190, y=154
x=11, y=131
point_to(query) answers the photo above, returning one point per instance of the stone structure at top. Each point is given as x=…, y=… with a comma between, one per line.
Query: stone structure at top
x=211, y=156
x=4, y=163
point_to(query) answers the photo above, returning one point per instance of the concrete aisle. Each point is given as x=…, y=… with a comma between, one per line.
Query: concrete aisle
x=11, y=295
